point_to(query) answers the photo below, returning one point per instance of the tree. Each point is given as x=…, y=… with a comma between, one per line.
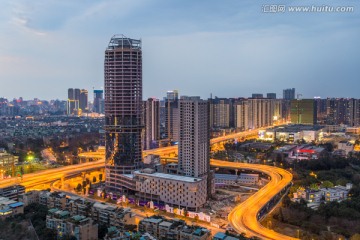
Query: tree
x=355, y=237
x=327, y=184
x=78, y=187
x=130, y=227
x=314, y=186
x=102, y=231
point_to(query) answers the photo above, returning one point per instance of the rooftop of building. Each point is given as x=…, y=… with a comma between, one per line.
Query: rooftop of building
x=104, y=206
x=295, y=128
x=223, y=236
x=6, y=201
x=169, y=176
x=120, y=41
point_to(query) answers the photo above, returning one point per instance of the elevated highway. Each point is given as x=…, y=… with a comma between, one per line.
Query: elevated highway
x=243, y=218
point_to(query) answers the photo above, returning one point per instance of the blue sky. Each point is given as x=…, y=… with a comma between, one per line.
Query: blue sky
x=229, y=48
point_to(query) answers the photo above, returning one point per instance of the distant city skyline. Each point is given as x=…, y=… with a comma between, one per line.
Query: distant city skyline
x=229, y=49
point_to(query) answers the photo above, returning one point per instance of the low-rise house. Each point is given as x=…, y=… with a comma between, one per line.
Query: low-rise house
x=337, y=193
x=165, y=229
x=194, y=233
x=223, y=236
x=13, y=192
x=29, y=197
x=10, y=208
x=81, y=227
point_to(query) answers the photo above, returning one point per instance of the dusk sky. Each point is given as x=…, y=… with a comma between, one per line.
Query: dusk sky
x=229, y=48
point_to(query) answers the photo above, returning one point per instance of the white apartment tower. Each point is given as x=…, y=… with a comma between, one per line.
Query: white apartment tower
x=194, y=144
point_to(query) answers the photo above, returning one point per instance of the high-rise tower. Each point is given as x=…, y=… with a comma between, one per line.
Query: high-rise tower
x=123, y=109
x=152, y=122
x=194, y=145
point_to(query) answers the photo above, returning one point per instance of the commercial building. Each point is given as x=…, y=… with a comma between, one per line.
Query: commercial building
x=231, y=179
x=152, y=123
x=289, y=94
x=123, y=109
x=175, y=190
x=293, y=133
x=303, y=111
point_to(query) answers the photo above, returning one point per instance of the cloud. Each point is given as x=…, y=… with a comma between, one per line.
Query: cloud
x=227, y=48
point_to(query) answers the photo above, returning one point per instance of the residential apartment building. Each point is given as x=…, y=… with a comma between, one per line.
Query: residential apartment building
x=152, y=123
x=164, y=229
x=81, y=227
x=10, y=208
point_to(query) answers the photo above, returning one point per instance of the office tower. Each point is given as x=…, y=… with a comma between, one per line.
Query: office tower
x=257, y=95
x=343, y=111
x=172, y=116
x=152, y=123
x=83, y=100
x=98, y=97
x=271, y=95
x=123, y=110
x=220, y=112
x=303, y=111
x=194, y=142
x=73, y=101
x=289, y=94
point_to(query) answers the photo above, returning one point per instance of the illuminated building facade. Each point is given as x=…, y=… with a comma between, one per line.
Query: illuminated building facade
x=303, y=111
x=123, y=110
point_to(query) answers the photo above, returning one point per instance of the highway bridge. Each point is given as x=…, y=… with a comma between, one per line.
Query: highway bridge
x=243, y=218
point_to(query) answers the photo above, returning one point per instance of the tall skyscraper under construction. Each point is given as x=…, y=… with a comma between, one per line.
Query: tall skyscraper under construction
x=123, y=110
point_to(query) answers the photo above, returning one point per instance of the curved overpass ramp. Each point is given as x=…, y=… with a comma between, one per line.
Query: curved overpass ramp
x=244, y=217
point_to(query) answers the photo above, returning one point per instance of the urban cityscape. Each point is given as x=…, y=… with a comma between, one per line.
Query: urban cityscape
x=112, y=163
